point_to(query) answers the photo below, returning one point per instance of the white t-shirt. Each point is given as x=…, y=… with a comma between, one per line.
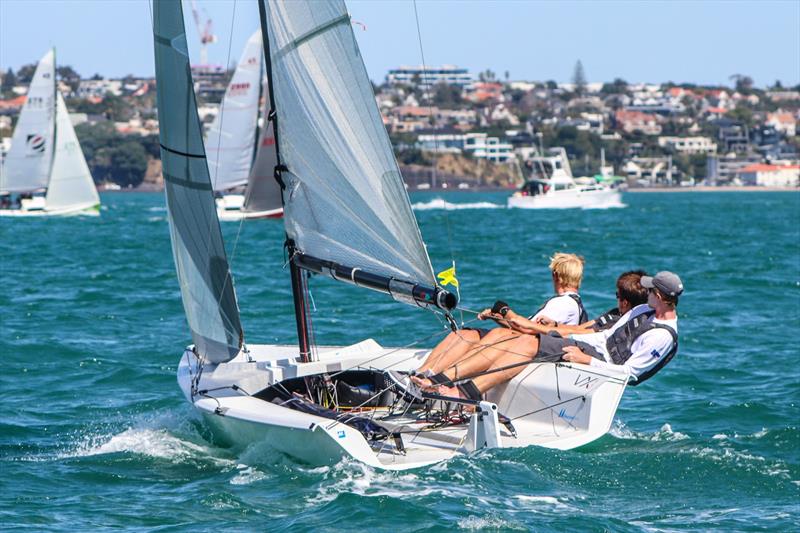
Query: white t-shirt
x=563, y=309
x=647, y=350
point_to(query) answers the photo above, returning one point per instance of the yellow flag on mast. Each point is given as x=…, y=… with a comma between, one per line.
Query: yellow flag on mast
x=448, y=277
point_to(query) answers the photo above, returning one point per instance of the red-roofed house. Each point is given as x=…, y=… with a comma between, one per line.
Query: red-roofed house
x=783, y=122
x=13, y=104
x=770, y=175
x=630, y=121
x=485, y=92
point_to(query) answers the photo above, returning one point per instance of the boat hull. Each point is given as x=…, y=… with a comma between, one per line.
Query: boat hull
x=559, y=406
x=569, y=199
x=232, y=215
x=76, y=210
x=230, y=207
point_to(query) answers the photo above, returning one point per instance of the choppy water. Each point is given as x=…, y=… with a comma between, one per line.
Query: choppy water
x=95, y=433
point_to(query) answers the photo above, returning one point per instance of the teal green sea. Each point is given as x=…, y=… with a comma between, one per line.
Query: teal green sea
x=96, y=435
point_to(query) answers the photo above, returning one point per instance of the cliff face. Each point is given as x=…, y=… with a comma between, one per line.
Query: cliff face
x=480, y=171
x=153, y=180
x=454, y=170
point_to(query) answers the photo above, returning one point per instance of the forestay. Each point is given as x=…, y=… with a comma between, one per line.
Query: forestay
x=263, y=192
x=28, y=162
x=71, y=182
x=345, y=200
x=209, y=299
x=231, y=139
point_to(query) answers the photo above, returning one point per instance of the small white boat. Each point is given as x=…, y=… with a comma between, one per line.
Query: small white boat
x=241, y=165
x=348, y=218
x=45, y=167
x=552, y=186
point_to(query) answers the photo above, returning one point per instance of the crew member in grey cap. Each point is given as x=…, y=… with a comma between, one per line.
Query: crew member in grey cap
x=640, y=344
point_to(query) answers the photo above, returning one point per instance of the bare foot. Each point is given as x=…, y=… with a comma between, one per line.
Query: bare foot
x=422, y=383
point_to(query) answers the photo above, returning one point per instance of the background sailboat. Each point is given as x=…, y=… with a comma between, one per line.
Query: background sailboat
x=239, y=152
x=347, y=217
x=45, y=155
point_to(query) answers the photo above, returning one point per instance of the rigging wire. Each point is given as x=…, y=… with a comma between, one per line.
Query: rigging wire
x=428, y=91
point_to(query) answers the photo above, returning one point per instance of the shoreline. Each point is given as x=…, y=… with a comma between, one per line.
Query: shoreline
x=706, y=188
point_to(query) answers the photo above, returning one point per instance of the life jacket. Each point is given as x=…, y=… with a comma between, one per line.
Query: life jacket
x=620, y=342
x=607, y=319
x=583, y=316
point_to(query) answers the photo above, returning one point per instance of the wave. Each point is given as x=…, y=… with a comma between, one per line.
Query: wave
x=666, y=433
x=154, y=443
x=440, y=203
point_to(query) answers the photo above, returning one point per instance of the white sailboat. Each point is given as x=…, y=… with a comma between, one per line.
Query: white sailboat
x=552, y=186
x=347, y=217
x=241, y=168
x=45, y=166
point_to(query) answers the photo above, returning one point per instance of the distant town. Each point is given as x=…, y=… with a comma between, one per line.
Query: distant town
x=452, y=128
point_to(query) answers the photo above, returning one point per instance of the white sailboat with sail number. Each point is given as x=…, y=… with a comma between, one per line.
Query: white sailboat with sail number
x=347, y=217
x=44, y=172
x=241, y=156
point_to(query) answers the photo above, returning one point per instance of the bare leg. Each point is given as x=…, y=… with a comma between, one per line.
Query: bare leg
x=523, y=350
x=450, y=350
x=486, y=358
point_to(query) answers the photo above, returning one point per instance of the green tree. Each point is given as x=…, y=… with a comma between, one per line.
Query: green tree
x=68, y=75
x=742, y=114
x=128, y=163
x=447, y=96
x=618, y=86
x=579, y=79
x=9, y=81
x=25, y=73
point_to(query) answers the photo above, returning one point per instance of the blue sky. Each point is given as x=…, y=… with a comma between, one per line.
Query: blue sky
x=651, y=41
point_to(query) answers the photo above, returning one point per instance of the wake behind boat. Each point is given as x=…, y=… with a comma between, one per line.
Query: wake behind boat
x=347, y=217
x=551, y=186
x=45, y=172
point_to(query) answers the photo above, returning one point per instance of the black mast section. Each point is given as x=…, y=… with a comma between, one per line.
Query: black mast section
x=298, y=290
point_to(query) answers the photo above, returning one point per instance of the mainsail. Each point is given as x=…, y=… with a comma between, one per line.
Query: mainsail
x=345, y=200
x=231, y=139
x=70, y=182
x=28, y=162
x=209, y=299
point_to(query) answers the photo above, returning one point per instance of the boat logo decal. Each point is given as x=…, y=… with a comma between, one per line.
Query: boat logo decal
x=341, y=434
x=563, y=414
x=35, y=142
x=586, y=382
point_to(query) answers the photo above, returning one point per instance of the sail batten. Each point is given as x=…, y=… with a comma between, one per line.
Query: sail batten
x=206, y=284
x=345, y=200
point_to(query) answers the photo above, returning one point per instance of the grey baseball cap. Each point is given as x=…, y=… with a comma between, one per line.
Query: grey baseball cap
x=667, y=282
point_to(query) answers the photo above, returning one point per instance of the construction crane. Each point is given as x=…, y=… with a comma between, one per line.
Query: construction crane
x=204, y=31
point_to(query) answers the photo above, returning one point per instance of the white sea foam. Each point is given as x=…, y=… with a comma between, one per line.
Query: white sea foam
x=440, y=203
x=156, y=443
x=474, y=523
x=247, y=475
x=666, y=433
x=350, y=476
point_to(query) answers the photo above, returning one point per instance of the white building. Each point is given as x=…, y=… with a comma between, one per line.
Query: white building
x=449, y=74
x=479, y=145
x=771, y=175
x=99, y=88
x=689, y=145
x=490, y=148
